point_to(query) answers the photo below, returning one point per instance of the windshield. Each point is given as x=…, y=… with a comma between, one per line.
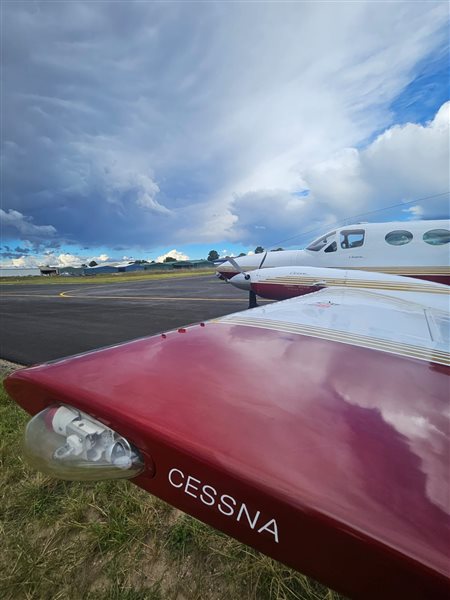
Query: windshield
x=321, y=242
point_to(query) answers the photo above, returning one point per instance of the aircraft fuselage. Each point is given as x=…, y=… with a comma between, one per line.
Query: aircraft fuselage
x=413, y=248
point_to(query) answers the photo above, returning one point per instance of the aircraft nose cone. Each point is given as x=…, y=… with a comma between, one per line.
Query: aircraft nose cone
x=225, y=270
x=241, y=282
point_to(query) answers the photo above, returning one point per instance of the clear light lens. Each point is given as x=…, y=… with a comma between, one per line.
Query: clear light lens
x=69, y=444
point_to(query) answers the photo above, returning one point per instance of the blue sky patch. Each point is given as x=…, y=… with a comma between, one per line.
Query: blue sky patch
x=425, y=94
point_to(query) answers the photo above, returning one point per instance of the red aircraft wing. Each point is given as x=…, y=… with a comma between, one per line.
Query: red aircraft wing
x=314, y=430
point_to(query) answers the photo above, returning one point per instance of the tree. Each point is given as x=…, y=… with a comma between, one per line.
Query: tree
x=242, y=254
x=213, y=255
x=93, y=263
x=259, y=250
x=276, y=249
x=170, y=259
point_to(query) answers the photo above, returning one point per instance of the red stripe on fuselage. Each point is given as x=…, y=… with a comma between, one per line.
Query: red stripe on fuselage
x=282, y=291
x=444, y=279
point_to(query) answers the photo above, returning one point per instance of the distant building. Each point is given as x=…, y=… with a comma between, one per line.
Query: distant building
x=192, y=264
x=101, y=269
x=49, y=270
x=124, y=267
x=178, y=264
x=19, y=272
x=158, y=266
x=71, y=271
x=130, y=267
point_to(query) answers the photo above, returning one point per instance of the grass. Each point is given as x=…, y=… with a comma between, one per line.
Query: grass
x=105, y=278
x=113, y=541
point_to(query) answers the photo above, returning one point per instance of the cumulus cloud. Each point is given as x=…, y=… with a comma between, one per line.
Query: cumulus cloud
x=173, y=254
x=24, y=262
x=73, y=260
x=415, y=211
x=52, y=259
x=402, y=164
x=132, y=124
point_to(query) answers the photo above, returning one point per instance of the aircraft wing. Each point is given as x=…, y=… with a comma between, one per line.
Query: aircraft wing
x=314, y=429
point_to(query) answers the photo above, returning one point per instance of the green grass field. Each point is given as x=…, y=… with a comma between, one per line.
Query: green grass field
x=105, y=278
x=112, y=540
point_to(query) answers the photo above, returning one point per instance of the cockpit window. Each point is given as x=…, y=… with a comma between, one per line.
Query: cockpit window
x=321, y=242
x=331, y=248
x=352, y=238
x=437, y=237
x=399, y=237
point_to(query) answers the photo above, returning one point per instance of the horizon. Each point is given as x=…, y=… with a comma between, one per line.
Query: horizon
x=176, y=256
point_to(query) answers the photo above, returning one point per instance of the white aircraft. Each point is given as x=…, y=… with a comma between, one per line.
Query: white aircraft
x=412, y=248
x=281, y=283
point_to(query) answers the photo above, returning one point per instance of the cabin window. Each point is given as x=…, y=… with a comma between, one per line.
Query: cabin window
x=321, y=242
x=352, y=238
x=331, y=248
x=437, y=237
x=399, y=237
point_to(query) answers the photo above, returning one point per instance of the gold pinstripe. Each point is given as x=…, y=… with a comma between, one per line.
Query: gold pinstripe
x=360, y=283
x=353, y=339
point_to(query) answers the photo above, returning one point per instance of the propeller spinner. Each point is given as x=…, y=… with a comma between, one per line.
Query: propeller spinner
x=243, y=280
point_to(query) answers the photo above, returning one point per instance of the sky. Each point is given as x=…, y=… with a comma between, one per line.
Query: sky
x=139, y=130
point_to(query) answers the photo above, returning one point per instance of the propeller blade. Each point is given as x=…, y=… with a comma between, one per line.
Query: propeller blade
x=262, y=262
x=231, y=260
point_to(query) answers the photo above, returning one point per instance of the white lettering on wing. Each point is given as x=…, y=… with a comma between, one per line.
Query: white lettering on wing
x=171, y=474
x=190, y=486
x=225, y=504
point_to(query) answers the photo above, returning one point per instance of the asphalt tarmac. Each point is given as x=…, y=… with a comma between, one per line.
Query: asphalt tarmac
x=45, y=322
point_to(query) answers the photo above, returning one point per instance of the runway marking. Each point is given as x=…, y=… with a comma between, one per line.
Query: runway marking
x=11, y=295
x=71, y=294
x=187, y=299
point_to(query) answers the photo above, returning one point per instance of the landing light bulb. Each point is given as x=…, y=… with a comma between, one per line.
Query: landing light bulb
x=69, y=444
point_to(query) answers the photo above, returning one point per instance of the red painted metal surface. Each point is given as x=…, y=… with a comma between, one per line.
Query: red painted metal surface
x=228, y=274
x=338, y=453
x=444, y=279
x=283, y=291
